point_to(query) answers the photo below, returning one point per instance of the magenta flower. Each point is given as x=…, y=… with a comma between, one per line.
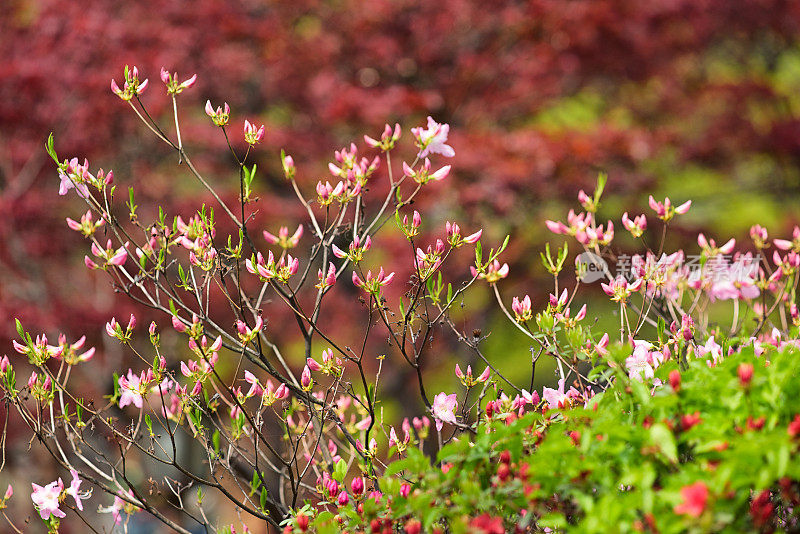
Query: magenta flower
x=444, y=407
x=45, y=498
x=431, y=140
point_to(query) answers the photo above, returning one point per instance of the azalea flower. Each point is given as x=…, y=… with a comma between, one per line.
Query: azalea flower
x=131, y=389
x=45, y=498
x=444, y=407
x=713, y=348
x=556, y=398
x=643, y=361
x=695, y=497
x=74, y=488
x=431, y=140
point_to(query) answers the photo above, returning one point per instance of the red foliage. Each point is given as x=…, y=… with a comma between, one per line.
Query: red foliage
x=318, y=75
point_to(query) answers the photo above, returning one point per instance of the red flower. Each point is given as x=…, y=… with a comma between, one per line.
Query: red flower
x=761, y=509
x=689, y=420
x=794, y=426
x=487, y=524
x=694, y=497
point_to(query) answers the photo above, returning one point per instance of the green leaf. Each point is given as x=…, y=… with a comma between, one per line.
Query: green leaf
x=49, y=147
x=215, y=441
x=340, y=470
x=663, y=438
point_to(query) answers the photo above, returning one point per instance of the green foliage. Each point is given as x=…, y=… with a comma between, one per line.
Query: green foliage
x=622, y=460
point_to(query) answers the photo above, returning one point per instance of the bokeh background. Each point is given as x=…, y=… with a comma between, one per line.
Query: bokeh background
x=692, y=99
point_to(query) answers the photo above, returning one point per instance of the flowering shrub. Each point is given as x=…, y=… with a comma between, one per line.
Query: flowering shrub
x=306, y=444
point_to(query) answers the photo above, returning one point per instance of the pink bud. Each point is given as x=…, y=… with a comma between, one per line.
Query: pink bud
x=132, y=322
x=282, y=392
x=683, y=208
x=32, y=379
x=745, y=374
x=405, y=490
x=473, y=238
x=343, y=498
x=177, y=324
x=357, y=486
x=484, y=376
x=305, y=377
x=9, y=493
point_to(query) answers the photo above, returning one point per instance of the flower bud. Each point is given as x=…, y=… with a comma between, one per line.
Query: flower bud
x=675, y=380
x=745, y=374
x=305, y=378
x=357, y=486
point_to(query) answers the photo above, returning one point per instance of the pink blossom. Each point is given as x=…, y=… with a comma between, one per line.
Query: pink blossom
x=443, y=409
x=74, y=490
x=131, y=389
x=556, y=398
x=431, y=140
x=45, y=498
x=253, y=134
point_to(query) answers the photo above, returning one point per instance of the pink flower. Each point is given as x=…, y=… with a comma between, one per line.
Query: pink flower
x=695, y=497
x=492, y=273
x=282, y=239
x=666, y=211
x=388, y=138
x=171, y=81
x=46, y=499
x=642, y=362
x=444, y=407
x=74, y=488
x=556, y=398
x=131, y=389
x=431, y=140
x=373, y=285
x=636, y=226
x=219, y=116
x=522, y=309
x=326, y=279
x=252, y=133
